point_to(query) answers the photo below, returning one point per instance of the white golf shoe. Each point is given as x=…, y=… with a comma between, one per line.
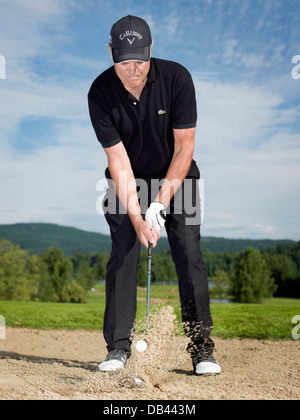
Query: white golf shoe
x=116, y=359
x=206, y=367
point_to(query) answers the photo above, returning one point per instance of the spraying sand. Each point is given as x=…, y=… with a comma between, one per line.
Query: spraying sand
x=49, y=365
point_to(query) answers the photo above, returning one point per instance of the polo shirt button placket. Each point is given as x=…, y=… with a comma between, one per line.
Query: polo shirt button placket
x=136, y=104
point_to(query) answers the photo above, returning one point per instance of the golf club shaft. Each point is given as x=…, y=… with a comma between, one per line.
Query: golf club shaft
x=148, y=284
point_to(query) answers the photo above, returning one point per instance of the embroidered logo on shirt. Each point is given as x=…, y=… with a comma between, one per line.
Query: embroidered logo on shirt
x=161, y=112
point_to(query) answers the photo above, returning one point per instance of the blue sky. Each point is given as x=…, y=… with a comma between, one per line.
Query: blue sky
x=248, y=137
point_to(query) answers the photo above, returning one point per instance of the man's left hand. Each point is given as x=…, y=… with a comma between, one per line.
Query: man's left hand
x=156, y=215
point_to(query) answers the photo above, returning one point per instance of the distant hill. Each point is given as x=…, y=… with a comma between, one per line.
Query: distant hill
x=223, y=245
x=37, y=237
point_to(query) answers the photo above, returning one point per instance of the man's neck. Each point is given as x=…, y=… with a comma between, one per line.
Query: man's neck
x=136, y=91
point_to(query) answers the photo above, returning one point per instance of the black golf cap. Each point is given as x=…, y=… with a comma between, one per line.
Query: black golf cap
x=130, y=40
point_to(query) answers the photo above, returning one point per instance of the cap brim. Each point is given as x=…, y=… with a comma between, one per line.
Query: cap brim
x=131, y=54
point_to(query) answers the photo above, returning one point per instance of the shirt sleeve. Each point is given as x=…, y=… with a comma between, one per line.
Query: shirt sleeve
x=184, y=112
x=104, y=127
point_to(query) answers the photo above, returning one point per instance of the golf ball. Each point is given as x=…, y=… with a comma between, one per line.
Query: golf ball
x=141, y=345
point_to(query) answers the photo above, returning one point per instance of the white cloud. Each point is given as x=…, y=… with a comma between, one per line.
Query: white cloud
x=232, y=113
x=30, y=27
x=55, y=182
x=247, y=151
x=250, y=162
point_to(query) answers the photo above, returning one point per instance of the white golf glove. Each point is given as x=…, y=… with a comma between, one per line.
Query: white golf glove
x=156, y=215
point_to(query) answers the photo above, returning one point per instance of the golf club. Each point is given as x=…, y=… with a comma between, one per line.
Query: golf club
x=138, y=381
x=148, y=285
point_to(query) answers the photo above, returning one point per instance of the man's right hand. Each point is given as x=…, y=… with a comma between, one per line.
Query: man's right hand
x=147, y=234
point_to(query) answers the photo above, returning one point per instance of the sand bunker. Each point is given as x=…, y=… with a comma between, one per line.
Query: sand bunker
x=57, y=365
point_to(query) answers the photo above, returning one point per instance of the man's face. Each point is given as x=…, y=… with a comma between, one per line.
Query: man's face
x=132, y=73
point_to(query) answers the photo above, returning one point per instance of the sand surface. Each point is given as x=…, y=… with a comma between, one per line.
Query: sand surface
x=57, y=365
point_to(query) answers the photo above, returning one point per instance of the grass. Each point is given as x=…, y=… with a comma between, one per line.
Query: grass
x=270, y=320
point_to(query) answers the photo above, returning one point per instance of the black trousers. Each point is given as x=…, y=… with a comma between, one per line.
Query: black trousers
x=183, y=230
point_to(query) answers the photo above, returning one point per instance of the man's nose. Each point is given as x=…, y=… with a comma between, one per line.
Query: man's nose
x=131, y=67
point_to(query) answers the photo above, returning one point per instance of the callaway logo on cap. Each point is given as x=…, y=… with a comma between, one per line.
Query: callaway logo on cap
x=130, y=39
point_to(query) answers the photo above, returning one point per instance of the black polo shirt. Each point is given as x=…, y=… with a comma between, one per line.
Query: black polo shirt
x=145, y=127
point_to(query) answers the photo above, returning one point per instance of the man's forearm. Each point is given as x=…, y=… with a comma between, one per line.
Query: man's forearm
x=125, y=184
x=173, y=180
x=179, y=166
x=126, y=191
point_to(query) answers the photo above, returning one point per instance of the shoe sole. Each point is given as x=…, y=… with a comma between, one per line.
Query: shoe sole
x=208, y=374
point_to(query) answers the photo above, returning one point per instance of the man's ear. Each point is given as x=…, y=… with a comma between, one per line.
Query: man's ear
x=151, y=46
x=110, y=50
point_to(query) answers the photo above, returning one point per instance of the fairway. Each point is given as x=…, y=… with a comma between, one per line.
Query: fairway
x=271, y=320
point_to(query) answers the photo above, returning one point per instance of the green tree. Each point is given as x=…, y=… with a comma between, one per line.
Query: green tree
x=46, y=291
x=99, y=265
x=85, y=275
x=221, y=283
x=78, y=259
x=162, y=268
x=51, y=257
x=59, y=268
x=284, y=271
x=19, y=273
x=219, y=261
x=73, y=293
x=142, y=270
x=210, y=262
x=252, y=281
x=281, y=266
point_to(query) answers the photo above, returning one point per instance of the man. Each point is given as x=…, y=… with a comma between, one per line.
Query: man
x=143, y=111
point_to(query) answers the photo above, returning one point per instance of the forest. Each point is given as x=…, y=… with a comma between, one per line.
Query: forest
x=246, y=277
